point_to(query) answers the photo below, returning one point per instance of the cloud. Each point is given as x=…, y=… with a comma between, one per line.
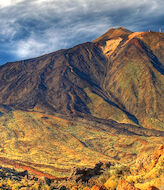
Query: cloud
x=34, y=46
x=4, y=3
x=30, y=28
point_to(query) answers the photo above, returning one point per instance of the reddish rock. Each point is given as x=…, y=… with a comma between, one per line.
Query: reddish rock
x=149, y=162
x=124, y=185
x=158, y=153
x=98, y=187
x=152, y=188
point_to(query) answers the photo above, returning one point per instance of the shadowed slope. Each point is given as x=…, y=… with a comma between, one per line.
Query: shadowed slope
x=58, y=82
x=54, y=81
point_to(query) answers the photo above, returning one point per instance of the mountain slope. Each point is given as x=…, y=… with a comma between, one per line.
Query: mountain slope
x=135, y=78
x=55, y=81
x=121, y=69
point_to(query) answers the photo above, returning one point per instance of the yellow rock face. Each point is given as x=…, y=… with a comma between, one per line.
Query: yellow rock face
x=111, y=46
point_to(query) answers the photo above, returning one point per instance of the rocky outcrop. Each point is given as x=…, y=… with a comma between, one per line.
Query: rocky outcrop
x=124, y=185
x=84, y=174
x=149, y=162
x=23, y=174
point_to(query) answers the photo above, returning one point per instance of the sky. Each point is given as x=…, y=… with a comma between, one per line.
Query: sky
x=30, y=28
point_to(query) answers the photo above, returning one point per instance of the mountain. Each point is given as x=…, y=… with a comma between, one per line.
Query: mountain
x=121, y=70
x=98, y=101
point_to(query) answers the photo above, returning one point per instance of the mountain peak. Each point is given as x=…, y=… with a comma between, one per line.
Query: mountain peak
x=122, y=29
x=113, y=33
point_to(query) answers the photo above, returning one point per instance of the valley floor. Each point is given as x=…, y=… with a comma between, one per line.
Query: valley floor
x=50, y=146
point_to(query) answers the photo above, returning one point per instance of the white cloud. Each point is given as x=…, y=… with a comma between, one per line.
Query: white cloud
x=34, y=46
x=4, y=3
x=29, y=47
x=33, y=27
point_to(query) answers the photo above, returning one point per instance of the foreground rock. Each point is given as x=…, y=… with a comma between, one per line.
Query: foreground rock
x=124, y=185
x=149, y=162
x=98, y=187
x=84, y=174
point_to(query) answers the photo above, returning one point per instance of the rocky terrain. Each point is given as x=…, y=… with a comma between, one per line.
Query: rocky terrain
x=146, y=173
x=99, y=101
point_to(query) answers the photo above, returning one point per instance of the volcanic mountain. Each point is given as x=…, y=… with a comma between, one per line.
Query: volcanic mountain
x=64, y=108
x=121, y=70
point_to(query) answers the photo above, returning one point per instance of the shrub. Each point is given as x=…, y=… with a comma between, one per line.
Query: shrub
x=111, y=183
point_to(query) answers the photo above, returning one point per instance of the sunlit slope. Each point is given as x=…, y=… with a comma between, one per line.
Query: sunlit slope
x=135, y=79
x=54, y=144
x=145, y=174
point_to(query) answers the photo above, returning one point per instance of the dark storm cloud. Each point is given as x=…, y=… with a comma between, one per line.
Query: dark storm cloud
x=34, y=27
